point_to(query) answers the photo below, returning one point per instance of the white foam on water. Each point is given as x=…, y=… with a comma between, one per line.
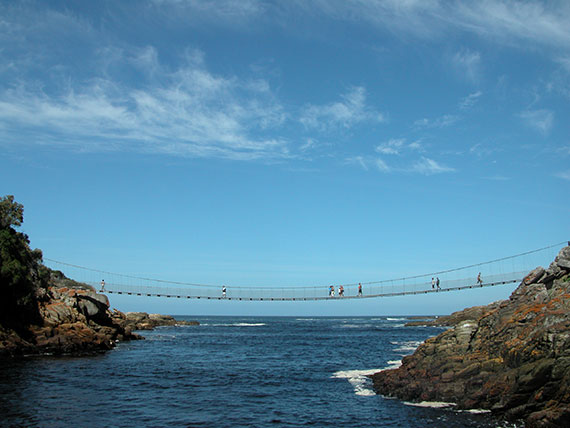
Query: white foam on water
x=406, y=347
x=248, y=324
x=356, y=325
x=235, y=324
x=394, y=364
x=396, y=319
x=431, y=404
x=474, y=411
x=359, y=380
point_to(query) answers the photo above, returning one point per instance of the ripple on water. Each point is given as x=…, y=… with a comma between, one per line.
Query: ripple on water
x=228, y=372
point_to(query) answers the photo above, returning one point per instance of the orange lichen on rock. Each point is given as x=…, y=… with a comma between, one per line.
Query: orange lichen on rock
x=512, y=358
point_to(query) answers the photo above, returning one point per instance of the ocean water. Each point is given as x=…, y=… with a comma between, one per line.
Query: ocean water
x=229, y=372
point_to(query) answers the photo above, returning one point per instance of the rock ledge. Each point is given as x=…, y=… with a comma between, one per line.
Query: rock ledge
x=511, y=357
x=76, y=320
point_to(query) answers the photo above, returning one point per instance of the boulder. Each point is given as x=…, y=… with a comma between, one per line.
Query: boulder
x=93, y=306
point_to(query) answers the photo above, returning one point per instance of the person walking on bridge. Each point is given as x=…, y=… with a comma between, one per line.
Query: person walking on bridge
x=102, y=285
x=437, y=283
x=359, y=289
x=479, y=280
x=223, y=291
x=341, y=291
x=432, y=283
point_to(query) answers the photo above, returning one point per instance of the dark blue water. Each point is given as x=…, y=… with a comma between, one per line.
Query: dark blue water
x=228, y=372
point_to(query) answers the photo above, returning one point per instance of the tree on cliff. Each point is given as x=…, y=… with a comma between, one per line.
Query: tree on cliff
x=11, y=213
x=21, y=270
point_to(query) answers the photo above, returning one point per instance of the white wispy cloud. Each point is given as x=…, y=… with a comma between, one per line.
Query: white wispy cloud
x=565, y=175
x=232, y=13
x=565, y=150
x=358, y=160
x=308, y=145
x=381, y=165
x=367, y=162
x=468, y=64
x=559, y=80
x=439, y=122
x=508, y=22
x=470, y=100
x=423, y=165
x=395, y=146
x=481, y=150
x=541, y=120
x=524, y=24
x=427, y=166
x=351, y=110
x=391, y=147
x=564, y=62
x=190, y=112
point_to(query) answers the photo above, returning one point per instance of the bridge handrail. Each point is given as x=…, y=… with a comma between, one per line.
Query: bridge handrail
x=385, y=281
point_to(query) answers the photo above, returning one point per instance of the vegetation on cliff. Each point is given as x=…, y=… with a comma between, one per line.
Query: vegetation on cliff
x=44, y=312
x=21, y=271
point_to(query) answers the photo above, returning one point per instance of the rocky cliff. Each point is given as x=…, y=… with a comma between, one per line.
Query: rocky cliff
x=43, y=312
x=71, y=321
x=511, y=357
x=75, y=320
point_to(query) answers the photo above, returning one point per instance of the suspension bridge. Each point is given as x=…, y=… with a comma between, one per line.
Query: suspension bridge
x=502, y=271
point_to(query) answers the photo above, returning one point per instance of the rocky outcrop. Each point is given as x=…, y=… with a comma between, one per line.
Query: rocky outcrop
x=511, y=357
x=72, y=321
x=455, y=318
x=44, y=312
x=144, y=321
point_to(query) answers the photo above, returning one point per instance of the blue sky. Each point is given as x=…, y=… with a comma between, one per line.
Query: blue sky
x=287, y=143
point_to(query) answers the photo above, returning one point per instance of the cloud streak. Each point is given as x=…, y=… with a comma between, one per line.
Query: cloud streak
x=348, y=112
x=507, y=22
x=470, y=100
x=193, y=112
x=540, y=120
x=396, y=146
x=504, y=21
x=427, y=166
x=423, y=166
x=439, y=122
x=468, y=64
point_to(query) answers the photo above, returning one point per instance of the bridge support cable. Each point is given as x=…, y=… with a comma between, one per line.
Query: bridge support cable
x=505, y=270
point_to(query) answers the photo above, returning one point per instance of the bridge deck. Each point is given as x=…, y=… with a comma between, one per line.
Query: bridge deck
x=364, y=296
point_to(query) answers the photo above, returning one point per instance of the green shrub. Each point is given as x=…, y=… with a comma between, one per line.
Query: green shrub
x=21, y=269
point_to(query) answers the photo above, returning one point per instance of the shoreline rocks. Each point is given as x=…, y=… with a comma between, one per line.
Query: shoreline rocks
x=455, y=318
x=76, y=321
x=73, y=321
x=145, y=321
x=511, y=357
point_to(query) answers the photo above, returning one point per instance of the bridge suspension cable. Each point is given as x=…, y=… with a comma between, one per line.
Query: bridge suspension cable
x=504, y=270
